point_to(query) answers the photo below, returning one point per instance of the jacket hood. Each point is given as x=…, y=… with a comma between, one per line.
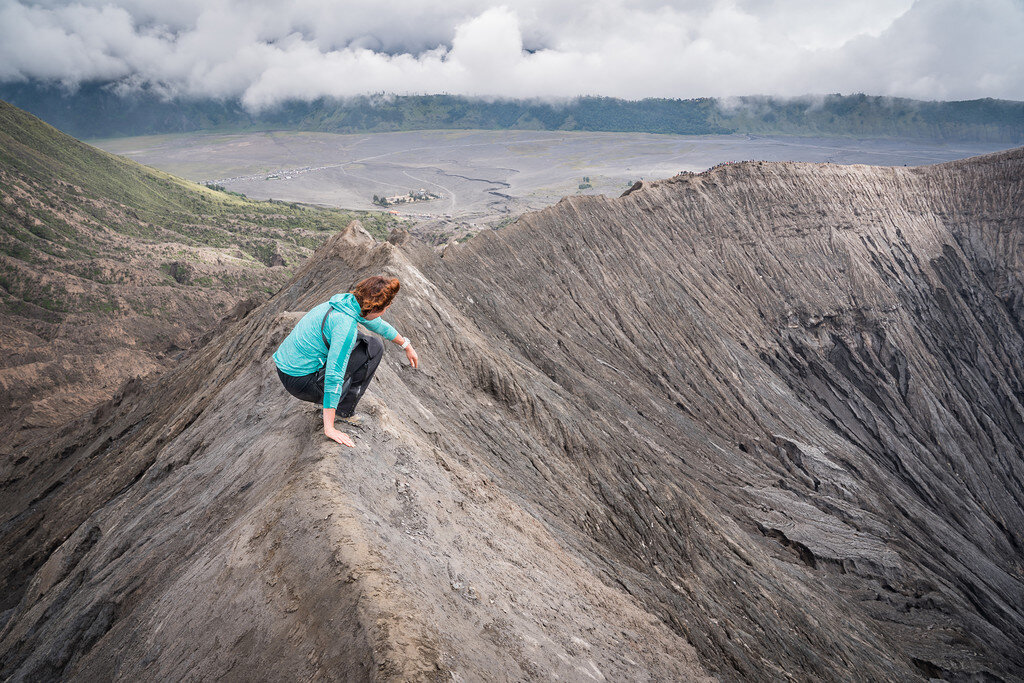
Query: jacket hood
x=348, y=304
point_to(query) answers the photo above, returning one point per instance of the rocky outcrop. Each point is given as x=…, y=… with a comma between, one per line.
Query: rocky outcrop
x=759, y=423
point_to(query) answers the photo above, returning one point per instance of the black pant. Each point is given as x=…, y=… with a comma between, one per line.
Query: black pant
x=363, y=362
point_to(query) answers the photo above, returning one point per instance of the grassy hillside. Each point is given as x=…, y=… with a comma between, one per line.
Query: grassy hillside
x=109, y=268
x=66, y=204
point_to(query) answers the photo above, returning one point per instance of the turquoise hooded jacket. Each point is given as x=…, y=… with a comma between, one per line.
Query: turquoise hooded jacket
x=303, y=351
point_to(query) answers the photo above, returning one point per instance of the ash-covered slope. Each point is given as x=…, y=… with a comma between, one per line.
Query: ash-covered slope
x=761, y=422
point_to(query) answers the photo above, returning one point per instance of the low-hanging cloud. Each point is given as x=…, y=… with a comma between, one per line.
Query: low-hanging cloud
x=264, y=52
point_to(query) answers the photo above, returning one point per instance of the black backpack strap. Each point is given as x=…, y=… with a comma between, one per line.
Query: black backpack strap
x=323, y=323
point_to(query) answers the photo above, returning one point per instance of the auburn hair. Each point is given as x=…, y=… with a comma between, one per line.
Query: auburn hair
x=375, y=293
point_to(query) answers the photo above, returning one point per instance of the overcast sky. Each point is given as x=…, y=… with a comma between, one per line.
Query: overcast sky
x=265, y=51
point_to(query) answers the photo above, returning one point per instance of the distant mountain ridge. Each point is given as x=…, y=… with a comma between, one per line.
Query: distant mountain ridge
x=95, y=111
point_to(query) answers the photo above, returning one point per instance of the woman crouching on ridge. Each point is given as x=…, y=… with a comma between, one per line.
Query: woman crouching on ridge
x=327, y=359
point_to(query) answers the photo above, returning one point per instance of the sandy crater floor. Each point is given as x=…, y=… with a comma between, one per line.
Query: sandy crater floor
x=484, y=175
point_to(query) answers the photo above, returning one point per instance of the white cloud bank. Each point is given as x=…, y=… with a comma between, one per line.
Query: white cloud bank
x=265, y=51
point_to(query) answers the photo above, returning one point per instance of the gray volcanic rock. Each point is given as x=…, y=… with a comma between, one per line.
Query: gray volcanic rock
x=763, y=422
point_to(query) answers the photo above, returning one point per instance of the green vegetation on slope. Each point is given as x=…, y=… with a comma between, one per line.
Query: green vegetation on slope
x=39, y=152
x=68, y=208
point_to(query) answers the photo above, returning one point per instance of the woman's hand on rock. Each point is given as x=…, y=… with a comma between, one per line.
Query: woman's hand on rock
x=414, y=359
x=341, y=437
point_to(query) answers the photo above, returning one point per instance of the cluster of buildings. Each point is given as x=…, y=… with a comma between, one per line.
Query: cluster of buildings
x=419, y=195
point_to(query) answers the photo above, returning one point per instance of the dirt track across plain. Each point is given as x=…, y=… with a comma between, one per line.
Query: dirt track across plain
x=483, y=175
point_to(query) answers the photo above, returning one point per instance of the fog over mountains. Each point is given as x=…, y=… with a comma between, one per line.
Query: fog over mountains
x=764, y=421
x=267, y=53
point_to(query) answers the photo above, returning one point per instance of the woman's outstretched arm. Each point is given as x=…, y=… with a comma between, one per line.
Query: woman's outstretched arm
x=410, y=353
x=331, y=433
x=386, y=330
